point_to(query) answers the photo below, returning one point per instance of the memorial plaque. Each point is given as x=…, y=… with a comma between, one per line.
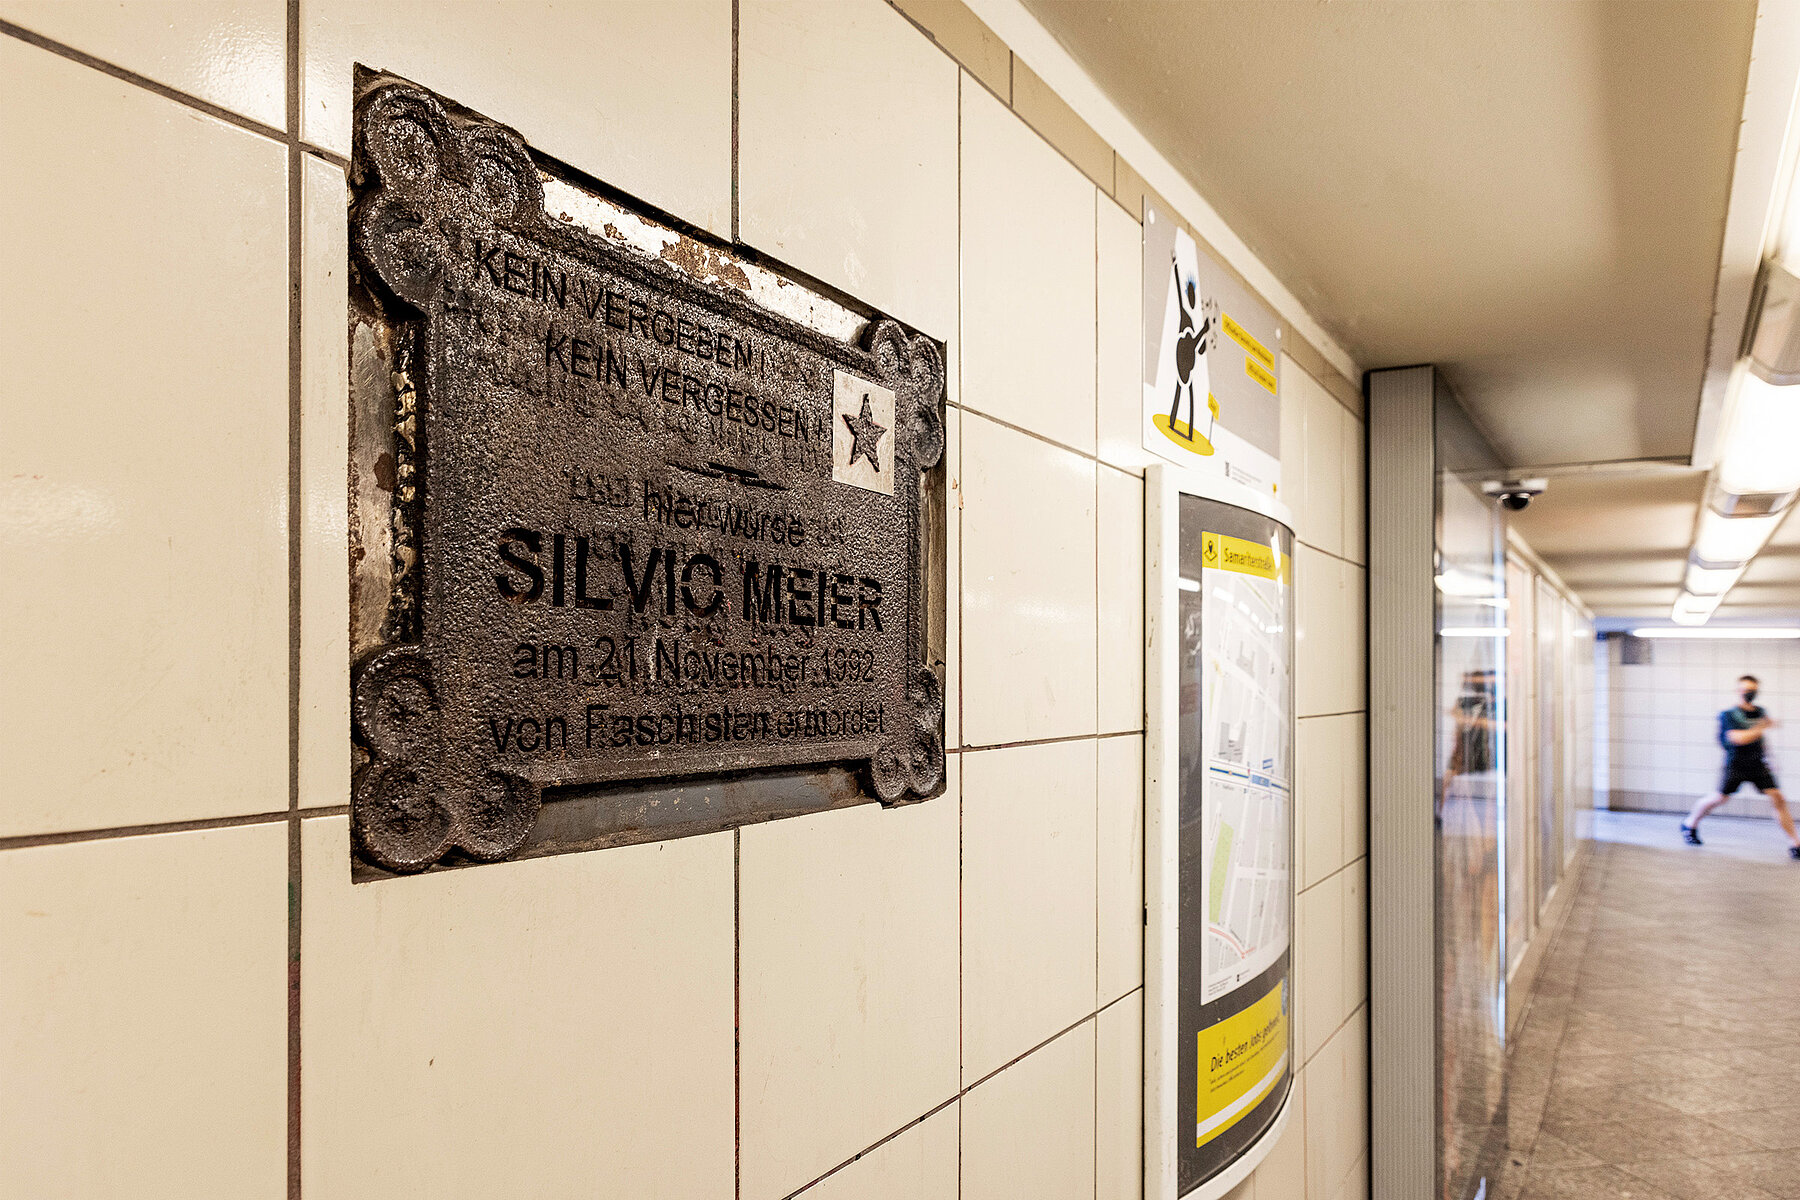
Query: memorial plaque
x=642, y=527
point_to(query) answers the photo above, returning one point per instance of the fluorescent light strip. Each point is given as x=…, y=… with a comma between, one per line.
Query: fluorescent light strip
x=1712, y=581
x=1493, y=631
x=1758, y=454
x=1732, y=539
x=1743, y=632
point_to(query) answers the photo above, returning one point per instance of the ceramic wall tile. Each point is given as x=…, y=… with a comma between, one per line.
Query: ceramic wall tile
x=966, y=38
x=1337, y=1111
x=1320, y=937
x=847, y=983
x=1282, y=1175
x=634, y=92
x=1119, y=1100
x=847, y=141
x=146, y=618
x=1355, y=885
x=1028, y=600
x=1320, y=795
x=324, y=503
x=1029, y=1131
x=1029, y=897
x=1351, y=664
x=953, y=561
x=552, y=1027
x=1320, y=595
x=1027, y=277
x=1354, y=508
x=1120, y=551
x=1353, y=750
x=1119, y=309
x=1120, y=838
x=1356, y=1184
x=918, y=1164
x=1294, y=493
x=1320, y=520
x=143, y=1018
x=231, y=53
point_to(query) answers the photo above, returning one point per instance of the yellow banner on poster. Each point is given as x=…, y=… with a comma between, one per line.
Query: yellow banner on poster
x=1255, y=370
x=1244, y=338
x=1242, y=1059
x=1225, y=553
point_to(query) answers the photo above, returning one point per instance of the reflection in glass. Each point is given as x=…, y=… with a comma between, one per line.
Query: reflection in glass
x=1469, y=803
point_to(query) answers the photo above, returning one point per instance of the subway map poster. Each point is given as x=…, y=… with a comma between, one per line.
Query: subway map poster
x=1234, y=785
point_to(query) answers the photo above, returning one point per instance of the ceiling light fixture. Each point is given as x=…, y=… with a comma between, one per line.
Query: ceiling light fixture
x=1732, y=539
x=1744, y=632
x=1758, y=455
x=1693, y=610
x=1708, y=579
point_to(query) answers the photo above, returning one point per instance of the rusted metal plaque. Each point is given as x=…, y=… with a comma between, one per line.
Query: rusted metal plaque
x=642, y=527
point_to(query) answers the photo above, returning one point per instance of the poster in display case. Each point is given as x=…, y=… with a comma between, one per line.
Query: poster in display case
x=1219, y=832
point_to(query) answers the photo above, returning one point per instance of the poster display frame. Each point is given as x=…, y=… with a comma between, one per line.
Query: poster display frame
x=1165, y=485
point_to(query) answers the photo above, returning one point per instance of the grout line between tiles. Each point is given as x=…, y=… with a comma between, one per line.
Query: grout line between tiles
x=961, y=632
x=184, y=99
x=1006, y=102
x=1005, y=424
x=1049, y=741
x=1099, y=669
x=30, y=841
x=735, y=15
x=330, y=156
x=296, y=249
x=737, y=833
x=961, y=1094
x=737, y=1010
x=1094, y=458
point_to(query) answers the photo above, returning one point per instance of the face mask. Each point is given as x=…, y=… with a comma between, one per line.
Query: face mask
x=1749, y=693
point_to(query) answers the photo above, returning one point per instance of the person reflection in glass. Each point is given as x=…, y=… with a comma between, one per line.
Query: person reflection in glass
x=1475, y=724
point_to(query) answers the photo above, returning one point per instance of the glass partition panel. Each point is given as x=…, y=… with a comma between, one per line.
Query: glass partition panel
x=1471, y=790
x=1519, y=909
x=1551, y=699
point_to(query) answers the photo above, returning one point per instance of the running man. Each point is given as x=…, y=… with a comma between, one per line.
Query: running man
x=1741, y=730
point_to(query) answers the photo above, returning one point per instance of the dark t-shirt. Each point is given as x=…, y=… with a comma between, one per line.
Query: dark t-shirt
x=1473, y=708
x=1738, y=717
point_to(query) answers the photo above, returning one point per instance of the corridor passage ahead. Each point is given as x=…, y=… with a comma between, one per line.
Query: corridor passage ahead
x=1661, y=1054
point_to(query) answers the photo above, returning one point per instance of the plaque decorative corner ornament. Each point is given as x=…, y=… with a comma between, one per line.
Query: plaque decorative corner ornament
x=637, y=534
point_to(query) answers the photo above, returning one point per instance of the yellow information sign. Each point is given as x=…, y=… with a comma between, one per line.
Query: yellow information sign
x=1242, y=1059
x=1244, y=338
x=1226, y=553
x=1255, y=370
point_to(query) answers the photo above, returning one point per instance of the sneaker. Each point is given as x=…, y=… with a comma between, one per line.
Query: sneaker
x=1794, y=852
x=1691, y=836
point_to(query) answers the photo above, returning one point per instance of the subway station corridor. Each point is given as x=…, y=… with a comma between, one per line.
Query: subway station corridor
x=898, y=599
x=1661, y=1054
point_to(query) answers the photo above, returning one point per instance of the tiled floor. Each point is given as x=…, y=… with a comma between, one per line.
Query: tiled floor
x=1660, y=1058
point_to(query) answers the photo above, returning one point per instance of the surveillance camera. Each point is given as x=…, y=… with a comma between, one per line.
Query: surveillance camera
x=1514, y=494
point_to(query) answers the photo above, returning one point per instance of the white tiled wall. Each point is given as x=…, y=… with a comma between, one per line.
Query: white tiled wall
x=1662, y=719
x=927, y=1002
x=143, y=1016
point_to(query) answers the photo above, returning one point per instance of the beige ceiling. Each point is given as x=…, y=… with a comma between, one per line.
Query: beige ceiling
x=1621, y=541
x=1531, y=194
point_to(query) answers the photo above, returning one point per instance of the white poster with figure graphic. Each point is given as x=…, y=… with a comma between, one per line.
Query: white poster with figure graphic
x=1212, y=363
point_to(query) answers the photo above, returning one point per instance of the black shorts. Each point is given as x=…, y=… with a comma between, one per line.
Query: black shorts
x=1757, y=776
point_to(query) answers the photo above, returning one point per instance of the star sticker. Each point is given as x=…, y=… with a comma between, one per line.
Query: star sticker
x=867, y=435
